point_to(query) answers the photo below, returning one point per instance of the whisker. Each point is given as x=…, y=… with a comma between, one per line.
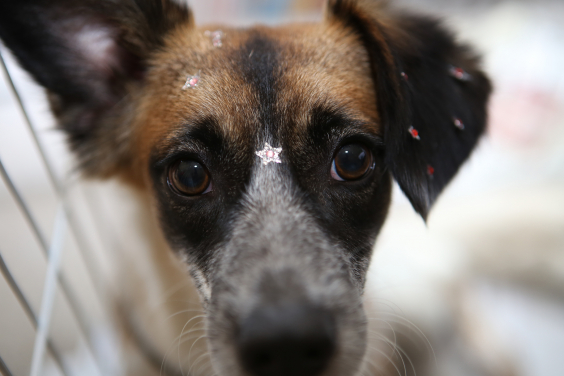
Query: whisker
x=194, y=343
x=387, y=357
x=179, y=342
x=188, y=337
x=399, y=350
x=408, y=333
x=411, y=325
x=205, y=364
x=389, y=325
x=375, y=366
x=394, y=347
x=176, y=340
x=209, y=366
x=185, y=311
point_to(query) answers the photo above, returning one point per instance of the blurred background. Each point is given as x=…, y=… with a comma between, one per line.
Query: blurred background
x=483, y=278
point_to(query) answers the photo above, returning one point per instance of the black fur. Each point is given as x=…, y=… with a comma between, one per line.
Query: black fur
x=352, y=213
x=195, y=226
x=42, y=36
x=428, y=99
x=260, y=70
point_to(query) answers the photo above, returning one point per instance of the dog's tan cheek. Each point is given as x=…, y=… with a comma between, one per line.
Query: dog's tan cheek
x=149, y=133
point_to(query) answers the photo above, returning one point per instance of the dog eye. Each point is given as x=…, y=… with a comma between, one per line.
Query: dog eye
x=189, y=178
x=351, y=162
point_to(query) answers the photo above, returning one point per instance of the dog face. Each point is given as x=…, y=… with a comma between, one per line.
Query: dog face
x=278, y=251
x=275, y=243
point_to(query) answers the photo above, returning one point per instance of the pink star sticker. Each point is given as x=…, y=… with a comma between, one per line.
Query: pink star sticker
x=269, y=154
x=192, y=81
x=216, y=37
x=459, y=73
x=458, y=124
x=414, y=133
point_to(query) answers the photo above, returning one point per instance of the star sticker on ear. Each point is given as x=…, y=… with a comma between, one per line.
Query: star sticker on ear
x=269, y=154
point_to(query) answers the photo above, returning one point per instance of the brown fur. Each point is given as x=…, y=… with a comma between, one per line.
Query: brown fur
x=314, y=70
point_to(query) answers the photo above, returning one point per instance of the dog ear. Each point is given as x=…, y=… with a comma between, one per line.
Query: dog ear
x=88, y=54
x=431, y=95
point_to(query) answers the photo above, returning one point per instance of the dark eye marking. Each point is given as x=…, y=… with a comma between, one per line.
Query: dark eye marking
x=355, y=141
x=184, y=162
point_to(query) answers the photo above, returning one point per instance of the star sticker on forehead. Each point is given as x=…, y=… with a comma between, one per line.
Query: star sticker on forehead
x=192, y=81
x=269, y=154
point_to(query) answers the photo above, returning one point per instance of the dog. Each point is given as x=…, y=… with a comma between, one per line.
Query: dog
x=266, y=155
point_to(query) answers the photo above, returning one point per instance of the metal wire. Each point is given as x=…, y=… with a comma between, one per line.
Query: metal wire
x=23, y=208
x=49, y=290
x=4, y=370
x=86, y=253
x=30, y=314
x=78, y=312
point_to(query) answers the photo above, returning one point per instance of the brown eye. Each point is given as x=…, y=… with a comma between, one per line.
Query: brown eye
x=189, y=178
x=351, y=162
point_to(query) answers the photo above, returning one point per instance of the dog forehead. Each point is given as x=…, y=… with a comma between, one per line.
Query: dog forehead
x=255, y=75
x=325, y=65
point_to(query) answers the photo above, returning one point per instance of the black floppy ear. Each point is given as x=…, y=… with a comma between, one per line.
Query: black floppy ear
x=432, y=95
x=88, y=54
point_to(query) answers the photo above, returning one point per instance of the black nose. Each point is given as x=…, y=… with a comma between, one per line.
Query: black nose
x=287, y=340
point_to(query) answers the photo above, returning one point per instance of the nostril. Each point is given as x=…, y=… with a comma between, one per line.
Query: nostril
x=294, y=339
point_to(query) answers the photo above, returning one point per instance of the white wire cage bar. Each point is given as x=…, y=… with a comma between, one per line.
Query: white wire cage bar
x=60, y=295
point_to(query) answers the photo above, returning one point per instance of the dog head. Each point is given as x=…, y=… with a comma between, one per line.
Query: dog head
x=278, y=251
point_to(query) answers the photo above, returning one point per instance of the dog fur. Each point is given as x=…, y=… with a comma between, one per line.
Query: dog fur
x=265, y=236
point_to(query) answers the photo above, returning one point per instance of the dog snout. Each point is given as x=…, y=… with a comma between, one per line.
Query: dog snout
x=293, y=339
